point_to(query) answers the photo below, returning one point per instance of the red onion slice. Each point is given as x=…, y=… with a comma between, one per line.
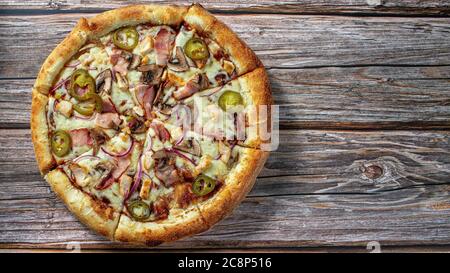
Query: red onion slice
x=85, y=157
x=126, y=152
x=105, y=183
x=59, y=84
x=180, y=140
x=137, y=181
x=73, y=65
x=211, y=91
x=180, y=154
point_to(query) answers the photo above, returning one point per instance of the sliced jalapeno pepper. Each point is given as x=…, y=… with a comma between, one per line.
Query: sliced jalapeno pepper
x=81, y=79
x=203, y=185
x=196, y=49
x=87, y=107
x=61, y=143
x=126, y=38
x=230, y=99
x=139, y=210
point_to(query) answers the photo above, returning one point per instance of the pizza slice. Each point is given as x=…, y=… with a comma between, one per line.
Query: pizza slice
x=236, y=112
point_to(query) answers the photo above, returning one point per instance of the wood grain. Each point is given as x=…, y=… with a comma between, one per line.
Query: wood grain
x=288, y=42
x=337, y=97
x=314, y=191
x=391, y=7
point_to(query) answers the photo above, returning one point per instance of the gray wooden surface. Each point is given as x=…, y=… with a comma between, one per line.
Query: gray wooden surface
x=364, y=95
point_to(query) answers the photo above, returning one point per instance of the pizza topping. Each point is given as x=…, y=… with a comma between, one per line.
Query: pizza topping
x=125, y=182
x=230, y=99
x=122, y=82
x=179, y=64
x=90, y=169
x=166, y=172
x=125, y=152
x=196, y=83
x=108, y=106
x=106, y=182
x=103, y=81
x=99, y=137
x=161, y=131
x=203, y=185
x=191, y=146
x=82, y=85
x=204, y=164
x=136, y=124
x=87, y=107
x=161, y=208
x=196, y=49
x=145, y=188
x=138, y=210
x=147, y=101
x=146, y=45
x=126, y=38
x=228, y=66
x=163, y=41
x=122, y=165
x=151, y=74
x=121, y=66
x=80, y=137
x=136, y=182
x=135, y=61
x=61, y=143
x=108, y=120
x=183, y=194
x=65, y=108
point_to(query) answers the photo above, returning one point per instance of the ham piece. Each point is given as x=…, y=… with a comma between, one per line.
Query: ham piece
x=163, y=42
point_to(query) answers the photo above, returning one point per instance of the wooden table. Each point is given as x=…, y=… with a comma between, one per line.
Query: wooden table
x=364, y=95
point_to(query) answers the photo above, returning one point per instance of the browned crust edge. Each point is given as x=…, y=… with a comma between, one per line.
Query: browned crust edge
x=237, y=185
x=92, y=213
x=256, y=86
x=208, y=25
x=39, y=132
x=181, y=223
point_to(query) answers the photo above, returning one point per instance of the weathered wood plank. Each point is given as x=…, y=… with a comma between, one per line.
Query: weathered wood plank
x=408, y=7
x=321, y=188
x=341, y=97
x=289, y=41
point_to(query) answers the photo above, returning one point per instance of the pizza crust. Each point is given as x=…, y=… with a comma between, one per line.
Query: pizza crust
x=133, y=15
x=256, y=86
x=92, y=213
x=238, y=183
x=179, y=224
x=208, y=25
x=39, y=132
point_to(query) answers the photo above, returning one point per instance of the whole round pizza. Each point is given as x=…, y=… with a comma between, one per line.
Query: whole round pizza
x=146, y=121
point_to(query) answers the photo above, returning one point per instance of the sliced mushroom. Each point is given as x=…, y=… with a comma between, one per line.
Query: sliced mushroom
x=179, y=64
x=151, y=74
x=203, y=81
x=99, y=137
x=127, y=56
x=103, y=81
x=121, y=82
x=135, y=61
x=191, y=146
x=196, y=147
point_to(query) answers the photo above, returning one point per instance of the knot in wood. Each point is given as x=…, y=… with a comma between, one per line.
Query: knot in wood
x=372, y=171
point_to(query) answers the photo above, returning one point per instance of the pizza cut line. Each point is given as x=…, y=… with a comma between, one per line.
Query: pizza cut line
x=142, y=121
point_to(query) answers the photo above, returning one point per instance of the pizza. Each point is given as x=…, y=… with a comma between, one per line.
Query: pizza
x=143, y=121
